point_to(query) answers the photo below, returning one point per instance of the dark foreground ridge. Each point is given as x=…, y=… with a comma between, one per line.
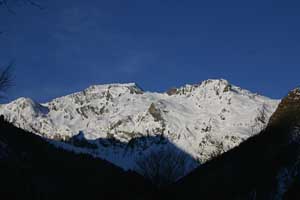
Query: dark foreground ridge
x=31, y=168
x=265, y=167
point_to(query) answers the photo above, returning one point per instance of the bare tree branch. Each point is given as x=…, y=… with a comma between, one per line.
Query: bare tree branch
x=6, y=78
x=162, y=167
x=6, y=75
x=34, y=3
x=6, y=4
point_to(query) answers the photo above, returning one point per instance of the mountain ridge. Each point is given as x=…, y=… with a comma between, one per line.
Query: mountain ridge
x=204, y=119
x=266, y=166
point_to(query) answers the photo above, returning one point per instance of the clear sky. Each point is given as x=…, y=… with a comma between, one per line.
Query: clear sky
x=70, y=45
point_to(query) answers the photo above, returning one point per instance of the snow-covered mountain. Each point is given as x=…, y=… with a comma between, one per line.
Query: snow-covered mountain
x=122, y=123
x=266, y=166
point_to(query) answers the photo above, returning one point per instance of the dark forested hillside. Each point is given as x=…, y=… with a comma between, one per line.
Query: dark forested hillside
x=30, y=168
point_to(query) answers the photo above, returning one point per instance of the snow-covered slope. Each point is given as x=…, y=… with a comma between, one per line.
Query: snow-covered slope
x=121, y=123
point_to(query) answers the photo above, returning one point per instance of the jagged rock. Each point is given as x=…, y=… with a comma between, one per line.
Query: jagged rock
x=288, y=110
x=172, y=91
x=156, y=114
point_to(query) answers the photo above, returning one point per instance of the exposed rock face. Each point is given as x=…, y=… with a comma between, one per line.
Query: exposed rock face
x=203, y=119
x=288, y=111
x=156, y=113
x=172, y=91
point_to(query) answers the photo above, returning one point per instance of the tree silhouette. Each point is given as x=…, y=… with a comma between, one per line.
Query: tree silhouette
x=162, y=167
x=7, y=4
x=6, y=75
x=6, y=78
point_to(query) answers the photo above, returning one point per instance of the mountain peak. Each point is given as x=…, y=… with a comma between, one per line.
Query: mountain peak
x=217, y=86
x=132, y=84
x=117, y=87
x=215, y=82
x=294, y=94
x=26, y=105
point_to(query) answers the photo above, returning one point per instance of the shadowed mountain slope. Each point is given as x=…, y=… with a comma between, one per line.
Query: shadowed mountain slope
x=31, y=168
x=265, y=166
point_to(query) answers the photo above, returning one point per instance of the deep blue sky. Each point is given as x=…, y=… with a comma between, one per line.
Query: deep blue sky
x=70, y=45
